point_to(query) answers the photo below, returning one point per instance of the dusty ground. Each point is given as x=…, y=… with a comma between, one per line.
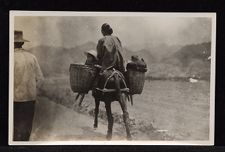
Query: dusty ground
x=55, y=122
x=166, y=110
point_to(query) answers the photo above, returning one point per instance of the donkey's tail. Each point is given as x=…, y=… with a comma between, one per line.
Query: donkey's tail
x=117, y=85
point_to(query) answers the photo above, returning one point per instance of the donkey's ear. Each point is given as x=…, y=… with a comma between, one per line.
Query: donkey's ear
x=142, y=60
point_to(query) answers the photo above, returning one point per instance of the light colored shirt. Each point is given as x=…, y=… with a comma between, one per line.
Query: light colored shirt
x=27, y=73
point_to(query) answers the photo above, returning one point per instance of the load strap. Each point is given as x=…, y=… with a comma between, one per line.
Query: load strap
x=112, y=90
x=126, y=89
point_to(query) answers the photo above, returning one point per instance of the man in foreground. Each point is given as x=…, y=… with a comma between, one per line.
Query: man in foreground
x=27, y=74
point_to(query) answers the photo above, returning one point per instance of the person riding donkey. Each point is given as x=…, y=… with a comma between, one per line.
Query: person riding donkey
x=110, y=83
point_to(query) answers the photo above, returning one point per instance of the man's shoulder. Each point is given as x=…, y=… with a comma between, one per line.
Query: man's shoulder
x=28, y=53
x=24, y=51
x=30, y=56
x=102, y=39
x=109, y=38
x=113, y=38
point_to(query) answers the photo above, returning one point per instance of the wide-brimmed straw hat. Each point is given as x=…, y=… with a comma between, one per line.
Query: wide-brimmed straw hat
x=18, y=37
x=92, y=52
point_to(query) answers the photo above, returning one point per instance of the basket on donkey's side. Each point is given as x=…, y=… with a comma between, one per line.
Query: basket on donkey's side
x=136, y=75
x=136, y=80
x=82, y=77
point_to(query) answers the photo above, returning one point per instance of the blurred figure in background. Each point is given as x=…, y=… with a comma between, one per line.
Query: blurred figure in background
x=27, y=74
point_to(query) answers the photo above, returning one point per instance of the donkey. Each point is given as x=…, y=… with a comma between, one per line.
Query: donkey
x=111, y=87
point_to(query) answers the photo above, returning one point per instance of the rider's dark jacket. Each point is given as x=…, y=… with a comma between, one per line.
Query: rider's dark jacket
x=109, y=50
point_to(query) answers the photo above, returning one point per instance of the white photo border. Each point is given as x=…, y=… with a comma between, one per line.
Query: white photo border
x=212, y=15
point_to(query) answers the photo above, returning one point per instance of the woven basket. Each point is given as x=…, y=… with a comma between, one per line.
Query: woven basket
x=136, y=80
x=81, y=77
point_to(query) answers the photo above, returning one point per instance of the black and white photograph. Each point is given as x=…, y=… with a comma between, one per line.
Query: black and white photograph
x=116, y=78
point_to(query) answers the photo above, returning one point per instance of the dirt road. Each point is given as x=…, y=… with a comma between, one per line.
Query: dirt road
x=54, y=122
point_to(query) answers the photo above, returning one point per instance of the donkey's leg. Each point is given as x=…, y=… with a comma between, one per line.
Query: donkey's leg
x=97, y=102
x=110, y=119
x=123, y=105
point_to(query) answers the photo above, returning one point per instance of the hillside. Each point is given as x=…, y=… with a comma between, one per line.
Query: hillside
x=56, y=60
x=163, y=61
x=190, y=61
x=144, y=53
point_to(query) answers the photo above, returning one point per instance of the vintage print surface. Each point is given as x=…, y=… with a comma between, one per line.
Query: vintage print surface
x=111, y=78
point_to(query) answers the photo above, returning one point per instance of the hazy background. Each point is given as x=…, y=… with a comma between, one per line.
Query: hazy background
x=171, y=46
x=134, y=32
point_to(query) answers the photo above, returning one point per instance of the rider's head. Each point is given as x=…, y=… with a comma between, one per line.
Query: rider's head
x=106, y=29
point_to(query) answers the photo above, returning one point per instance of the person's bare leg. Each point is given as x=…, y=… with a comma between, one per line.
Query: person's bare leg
x=97, y=102
x=110, y=120
x=123, y=105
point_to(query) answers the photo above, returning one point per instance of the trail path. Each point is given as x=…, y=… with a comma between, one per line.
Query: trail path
x=54, y=122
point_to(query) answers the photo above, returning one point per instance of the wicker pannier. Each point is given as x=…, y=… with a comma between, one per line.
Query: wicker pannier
x=136, y=80
x=81, y=77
